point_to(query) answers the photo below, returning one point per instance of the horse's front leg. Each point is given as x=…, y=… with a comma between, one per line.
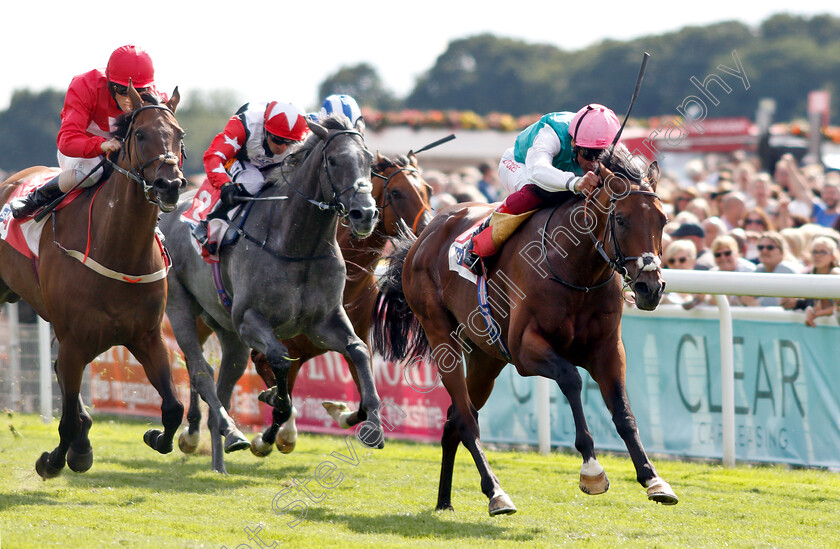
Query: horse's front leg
x=152, y=353
x=608, y=368
x=68, y=368
x=257, y=333
x=536, y=356
x=337, y=334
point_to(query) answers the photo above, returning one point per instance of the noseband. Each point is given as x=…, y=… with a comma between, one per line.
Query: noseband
x=647, y=261
x=386, y=197
x=136, y=174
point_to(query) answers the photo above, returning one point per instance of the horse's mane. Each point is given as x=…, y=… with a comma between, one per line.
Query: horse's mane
x=619, y=161
x=122, y=123
x=300, y=151
x=400, y=161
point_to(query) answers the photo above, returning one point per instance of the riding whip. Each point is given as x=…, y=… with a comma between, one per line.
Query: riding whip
x=441, y=141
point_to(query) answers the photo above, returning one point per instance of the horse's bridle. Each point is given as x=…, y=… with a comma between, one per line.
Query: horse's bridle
x=335, y=205
x=136, y=174
x=386, y=197
x=646, y=261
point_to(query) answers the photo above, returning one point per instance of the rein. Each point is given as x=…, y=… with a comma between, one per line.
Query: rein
x=336, y=204
x=645, y=261
x=136, y=174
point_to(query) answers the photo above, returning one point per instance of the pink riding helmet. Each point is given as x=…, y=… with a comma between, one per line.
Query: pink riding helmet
x=594, y=127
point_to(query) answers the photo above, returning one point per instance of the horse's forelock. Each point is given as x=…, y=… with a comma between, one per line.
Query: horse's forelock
x=122, y=122
x=622, y=163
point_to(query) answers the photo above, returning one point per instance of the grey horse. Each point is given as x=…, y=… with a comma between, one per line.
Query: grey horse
x=284, y=275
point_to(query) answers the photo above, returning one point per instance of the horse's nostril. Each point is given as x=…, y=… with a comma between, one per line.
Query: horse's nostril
x=642, y=288
x=355, y=215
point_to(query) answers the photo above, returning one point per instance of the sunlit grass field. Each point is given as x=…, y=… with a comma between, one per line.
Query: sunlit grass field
x=134, y=497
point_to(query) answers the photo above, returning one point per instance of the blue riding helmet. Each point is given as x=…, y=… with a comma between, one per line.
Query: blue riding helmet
x=341, y=104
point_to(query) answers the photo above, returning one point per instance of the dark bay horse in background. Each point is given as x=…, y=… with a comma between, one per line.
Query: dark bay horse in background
x=556, y=303
x=285, y=277
x=94, y=310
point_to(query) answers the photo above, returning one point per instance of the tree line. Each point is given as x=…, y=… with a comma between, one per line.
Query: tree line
x=784, y=58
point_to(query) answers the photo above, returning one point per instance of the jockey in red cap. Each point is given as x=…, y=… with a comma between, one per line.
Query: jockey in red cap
x=93, y=102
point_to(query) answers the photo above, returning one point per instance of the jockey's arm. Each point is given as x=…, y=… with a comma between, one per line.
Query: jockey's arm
x=223, y=149
x=73, y=138
x=538, y=163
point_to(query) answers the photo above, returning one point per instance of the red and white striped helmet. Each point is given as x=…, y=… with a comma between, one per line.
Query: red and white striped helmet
x=286, y=121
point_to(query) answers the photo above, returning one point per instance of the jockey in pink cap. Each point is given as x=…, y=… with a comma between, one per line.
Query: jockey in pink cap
x=556, y=154
x=259, y=135
x=93, y=102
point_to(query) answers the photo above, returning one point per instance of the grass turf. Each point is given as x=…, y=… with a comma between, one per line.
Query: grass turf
x=134, y=497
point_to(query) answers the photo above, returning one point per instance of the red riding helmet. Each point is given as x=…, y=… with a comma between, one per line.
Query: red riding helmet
x=594, y=127
x=285, y=121
x=130, y=62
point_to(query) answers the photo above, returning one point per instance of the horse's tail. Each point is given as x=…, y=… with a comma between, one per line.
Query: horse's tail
x=396, y=333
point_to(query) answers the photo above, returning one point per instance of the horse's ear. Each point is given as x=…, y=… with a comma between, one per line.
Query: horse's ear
x=360, y=125
x=174, y=100
x=317, y=129
x=653, y=174
x=412, y=159
x=379, y=159
x=136, y=100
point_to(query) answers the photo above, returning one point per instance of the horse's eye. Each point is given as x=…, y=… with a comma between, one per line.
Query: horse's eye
x=138, y=135
x=331, y=161
x=396, y=195
x=619, y=221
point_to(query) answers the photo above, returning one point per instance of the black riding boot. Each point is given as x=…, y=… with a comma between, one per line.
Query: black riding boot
x=43, y=195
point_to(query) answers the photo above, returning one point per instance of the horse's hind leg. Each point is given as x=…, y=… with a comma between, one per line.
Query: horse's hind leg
x=152, y=353
x=446, y=353
x=233, y=364
x=608, y=372
x=189, y=438
x=80, y=453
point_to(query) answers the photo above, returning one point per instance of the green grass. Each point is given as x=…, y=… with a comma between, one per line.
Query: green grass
x=134, y=497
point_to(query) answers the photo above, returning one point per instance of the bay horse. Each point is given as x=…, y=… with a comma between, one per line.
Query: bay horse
x=556, y=303
x=113, y=291
x=284, y=277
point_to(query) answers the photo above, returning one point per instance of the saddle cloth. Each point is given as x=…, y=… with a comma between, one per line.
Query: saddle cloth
x=24, y=234
x=456, y=253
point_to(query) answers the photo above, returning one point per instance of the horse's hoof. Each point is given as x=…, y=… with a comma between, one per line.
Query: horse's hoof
x=44, y=469
x=259, y=447
x=338, y=411
x=187, y=442
x=660, y=491
x=236, y=441
x=445, y=507
x=501, y=505
x=372, y=437
x=153, y=439
x=285, y=446
x=594, y=484
x=79, y=462
x=269, y=396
